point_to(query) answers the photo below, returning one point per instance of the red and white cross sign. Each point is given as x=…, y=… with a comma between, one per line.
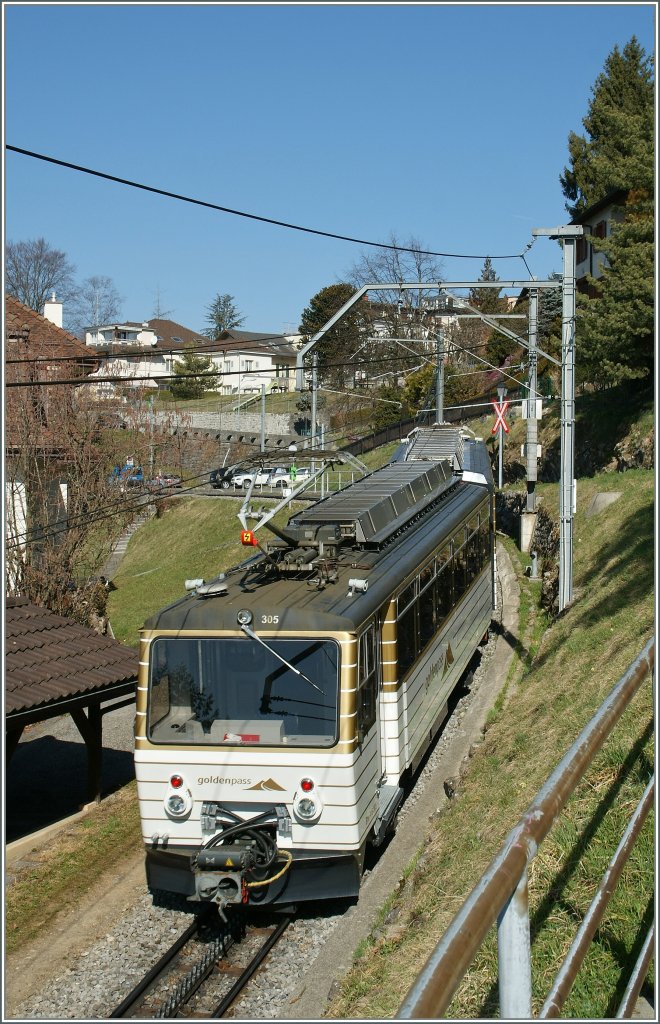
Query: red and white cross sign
x=500, y=413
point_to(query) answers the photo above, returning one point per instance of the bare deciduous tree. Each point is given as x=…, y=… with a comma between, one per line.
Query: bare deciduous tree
x=96, y=303
x=34, y=269
x=401, y=323
x=59, y=506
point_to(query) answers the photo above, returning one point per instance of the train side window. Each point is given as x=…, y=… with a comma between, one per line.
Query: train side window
x=460, y=565
x=484, y=541
x=473, y=556
x=367, y=682
x=428, y=620
x=406, y=597
x=406, y=634
x=444, y=591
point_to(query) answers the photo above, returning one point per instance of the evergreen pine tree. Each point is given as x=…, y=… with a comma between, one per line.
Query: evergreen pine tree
x=619, y=125
x=192, y=376
x=337, y=346
x=222, y=315
x=488, y=300
x=615, y=329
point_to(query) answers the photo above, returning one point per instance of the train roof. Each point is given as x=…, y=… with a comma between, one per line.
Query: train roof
x=371, y=510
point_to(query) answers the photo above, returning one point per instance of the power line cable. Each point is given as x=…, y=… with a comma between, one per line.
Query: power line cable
x=210, y=374
x=119, y=352
x=242, y=213
x=84, y=519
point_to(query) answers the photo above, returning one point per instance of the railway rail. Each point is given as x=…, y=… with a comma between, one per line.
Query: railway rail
x=205, y=969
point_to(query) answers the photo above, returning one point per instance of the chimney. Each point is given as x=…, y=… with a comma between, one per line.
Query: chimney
x=53, y=311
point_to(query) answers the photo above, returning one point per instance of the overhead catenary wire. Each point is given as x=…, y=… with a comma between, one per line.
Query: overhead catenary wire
x=134, y=503
x=250, y=216
x=124, y=351
x=84, y=519
x=210, y=374
x=139, y=354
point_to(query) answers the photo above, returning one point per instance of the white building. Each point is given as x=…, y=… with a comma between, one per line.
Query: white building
x=145, y=354
x=598, y=221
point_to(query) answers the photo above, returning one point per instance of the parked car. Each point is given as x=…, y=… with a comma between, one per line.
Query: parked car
x=223, y=476
x=162, y=480
x=135, y=479
x=111, y=421
x=127, y=476
x=288, y=480
x=278, y=478
x=244, y=479
x=260, y=476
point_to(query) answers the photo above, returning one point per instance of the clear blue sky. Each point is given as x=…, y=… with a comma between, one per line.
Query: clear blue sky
x=447, y=123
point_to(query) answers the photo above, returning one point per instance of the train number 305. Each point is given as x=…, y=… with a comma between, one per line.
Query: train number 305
x=270, y=620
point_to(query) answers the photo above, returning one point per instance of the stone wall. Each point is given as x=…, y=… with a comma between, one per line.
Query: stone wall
x=244, y=422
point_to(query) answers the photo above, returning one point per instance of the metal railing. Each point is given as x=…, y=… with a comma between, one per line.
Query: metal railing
x=501, y=893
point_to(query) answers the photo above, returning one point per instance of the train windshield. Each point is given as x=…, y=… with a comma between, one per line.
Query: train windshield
x=224, y=691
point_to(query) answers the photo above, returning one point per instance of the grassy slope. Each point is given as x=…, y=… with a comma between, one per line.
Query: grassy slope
x=580, y=658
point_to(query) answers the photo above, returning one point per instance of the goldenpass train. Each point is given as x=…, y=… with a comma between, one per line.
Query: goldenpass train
x=282, y=705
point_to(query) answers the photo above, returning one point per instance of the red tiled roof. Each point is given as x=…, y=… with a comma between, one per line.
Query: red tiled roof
x=49, y=657
x=37, y=351
x=44, y=338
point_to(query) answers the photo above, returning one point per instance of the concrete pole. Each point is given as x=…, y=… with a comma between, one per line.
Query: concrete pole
x=151, y=435
x=567, y=425
x=314, y=389
x=263, y=417
x=532, y=422
x=568, y=233
x=440, y=378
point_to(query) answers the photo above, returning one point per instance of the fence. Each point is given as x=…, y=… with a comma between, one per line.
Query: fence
x=501, y=893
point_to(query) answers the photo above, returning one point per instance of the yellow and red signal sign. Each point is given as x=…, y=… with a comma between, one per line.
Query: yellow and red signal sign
x=248, y=538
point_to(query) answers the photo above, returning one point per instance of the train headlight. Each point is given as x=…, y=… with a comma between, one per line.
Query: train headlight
x=307, y=805
x=178, y=800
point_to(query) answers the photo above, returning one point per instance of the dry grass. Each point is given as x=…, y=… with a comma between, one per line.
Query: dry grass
x=59, y=874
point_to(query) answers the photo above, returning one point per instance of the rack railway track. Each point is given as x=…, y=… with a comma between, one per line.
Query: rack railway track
x=205, y=969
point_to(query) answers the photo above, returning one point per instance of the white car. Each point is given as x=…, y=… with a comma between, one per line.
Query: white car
x=278, y=478
x=286, y=480
x=262, y=477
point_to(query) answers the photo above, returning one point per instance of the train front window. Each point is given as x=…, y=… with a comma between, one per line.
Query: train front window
x=216, y=691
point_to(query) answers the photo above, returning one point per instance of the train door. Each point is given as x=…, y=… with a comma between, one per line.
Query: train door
x=389, y=751
x=368, y=689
